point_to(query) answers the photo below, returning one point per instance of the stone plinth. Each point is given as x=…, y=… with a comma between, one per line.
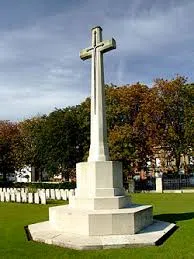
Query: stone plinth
x=99, y=179
x=99, y=186
x=100, y=215
x=101, y=222
x=154, y=234
x=99, y=207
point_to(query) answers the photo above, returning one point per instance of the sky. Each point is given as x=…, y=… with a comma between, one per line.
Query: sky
x=40, y=41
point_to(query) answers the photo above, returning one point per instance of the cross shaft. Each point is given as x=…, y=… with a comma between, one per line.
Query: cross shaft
x=98, y=128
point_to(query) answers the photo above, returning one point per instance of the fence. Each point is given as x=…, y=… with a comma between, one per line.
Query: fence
x=145, y=185
x=182, y=182
x=179, y=183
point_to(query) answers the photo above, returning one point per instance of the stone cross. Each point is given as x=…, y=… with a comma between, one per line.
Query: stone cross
x=98, y=128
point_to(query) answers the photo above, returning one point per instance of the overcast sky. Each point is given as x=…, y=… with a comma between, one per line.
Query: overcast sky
x=40, y=40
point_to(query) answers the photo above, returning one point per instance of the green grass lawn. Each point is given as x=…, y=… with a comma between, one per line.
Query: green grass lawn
x=177, y=208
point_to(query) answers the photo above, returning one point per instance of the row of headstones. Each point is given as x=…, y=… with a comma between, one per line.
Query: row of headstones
x=22, y=195
x=58, y=194
x=14, y=190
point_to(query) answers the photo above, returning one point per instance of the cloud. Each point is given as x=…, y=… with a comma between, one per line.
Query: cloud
x=40, y=68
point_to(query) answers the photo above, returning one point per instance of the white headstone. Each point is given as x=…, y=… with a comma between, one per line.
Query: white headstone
x=48, y=193
x=52, y=191
x=11, y=190
x=2, y=194
x=41, y=191
x=24, y=197
x=63, y=194
x=36, y=198
x=7, y=196
x=13, y=196
x=23, y=190
x=30, y=197
x=43, y=198
x=18, y=197
x=58, y=194
x=67, y=193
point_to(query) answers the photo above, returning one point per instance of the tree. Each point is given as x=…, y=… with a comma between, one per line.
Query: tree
x=140, y=120
x=167, y=115
x=29, y=151
x=9, y=139
x=83, y=120
x=124, y=103
x=55, y=143
x=59, y=142
x=127, y=142
x=121, y=146
x=177, y=115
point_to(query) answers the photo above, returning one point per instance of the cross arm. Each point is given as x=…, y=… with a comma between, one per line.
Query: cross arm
x=108, y=45
x=86, y=53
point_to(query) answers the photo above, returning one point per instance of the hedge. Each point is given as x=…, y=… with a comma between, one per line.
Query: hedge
x=39, y=185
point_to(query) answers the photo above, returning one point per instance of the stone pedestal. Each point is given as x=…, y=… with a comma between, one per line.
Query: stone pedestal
x=99, y=186
x=100, y=222
x=100, y=208
x=100, y=204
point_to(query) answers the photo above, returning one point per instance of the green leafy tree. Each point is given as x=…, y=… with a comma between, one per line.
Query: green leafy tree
x=30, y=150
x=59, y=144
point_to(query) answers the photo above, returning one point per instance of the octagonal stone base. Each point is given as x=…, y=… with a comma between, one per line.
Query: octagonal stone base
x=152, y=235
x=129, y=220
x=100, y=215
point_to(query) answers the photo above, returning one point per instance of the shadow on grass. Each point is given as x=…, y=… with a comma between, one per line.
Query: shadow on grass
x=174, y=218
x=57, y=202
x=28, y=235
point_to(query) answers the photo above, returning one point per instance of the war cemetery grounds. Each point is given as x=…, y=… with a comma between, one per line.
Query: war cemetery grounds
x=177, y=208
x=100, y=211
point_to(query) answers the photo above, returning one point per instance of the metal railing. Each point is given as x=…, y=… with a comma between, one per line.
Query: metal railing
x=182, y=182
x=178, y=183
x=145, y=185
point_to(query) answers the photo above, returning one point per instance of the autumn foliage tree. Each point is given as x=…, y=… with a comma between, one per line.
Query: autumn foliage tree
x=167, y=113
x=127, y=142
x=140, y=120
x=9, y=140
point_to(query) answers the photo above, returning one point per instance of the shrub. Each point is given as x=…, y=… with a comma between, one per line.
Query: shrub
x=39, y=185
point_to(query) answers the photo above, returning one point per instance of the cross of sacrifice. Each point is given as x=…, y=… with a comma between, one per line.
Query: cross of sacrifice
x=98, y=128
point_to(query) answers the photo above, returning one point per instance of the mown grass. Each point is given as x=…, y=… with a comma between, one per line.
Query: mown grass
x=177, y=208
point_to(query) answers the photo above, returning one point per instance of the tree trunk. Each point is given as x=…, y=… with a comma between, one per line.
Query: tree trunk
x=178, y=160
x=4, y=176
